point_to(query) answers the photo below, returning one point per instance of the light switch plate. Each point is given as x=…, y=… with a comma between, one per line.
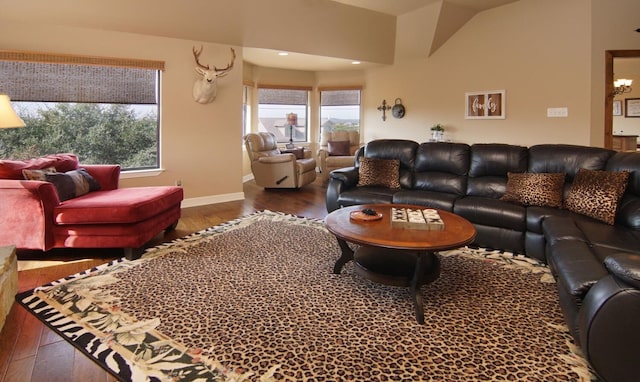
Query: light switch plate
x=557, y=112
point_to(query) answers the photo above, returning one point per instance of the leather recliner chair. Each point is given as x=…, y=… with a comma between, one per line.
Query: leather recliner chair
x=273, y=169
x=328, y=160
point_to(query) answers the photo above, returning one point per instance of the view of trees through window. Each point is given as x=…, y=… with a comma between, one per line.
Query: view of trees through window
x=340, y=110
x=97, y=133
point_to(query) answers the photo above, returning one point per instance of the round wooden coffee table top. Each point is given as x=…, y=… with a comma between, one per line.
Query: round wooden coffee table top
x=457, y=230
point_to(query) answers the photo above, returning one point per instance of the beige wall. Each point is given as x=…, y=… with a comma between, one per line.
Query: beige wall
x=527, y=48
x=199, y=143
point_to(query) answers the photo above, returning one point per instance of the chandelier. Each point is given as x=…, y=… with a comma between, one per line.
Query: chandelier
x=621, y=86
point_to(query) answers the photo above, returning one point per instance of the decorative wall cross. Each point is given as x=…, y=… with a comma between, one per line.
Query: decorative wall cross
x=383, y=108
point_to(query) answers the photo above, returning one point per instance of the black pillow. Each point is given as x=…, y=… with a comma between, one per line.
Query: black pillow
x=73, y=183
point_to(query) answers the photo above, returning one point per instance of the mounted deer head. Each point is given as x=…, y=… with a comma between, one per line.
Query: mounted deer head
x=204, y=89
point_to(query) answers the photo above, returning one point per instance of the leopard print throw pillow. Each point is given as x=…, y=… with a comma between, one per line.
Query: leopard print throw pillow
x=535, y=189
x=596, y=193
x=379, y=172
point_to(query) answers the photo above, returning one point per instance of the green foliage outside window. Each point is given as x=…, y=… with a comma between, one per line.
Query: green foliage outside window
x=97, y=133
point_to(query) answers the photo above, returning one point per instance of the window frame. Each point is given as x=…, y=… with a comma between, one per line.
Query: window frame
x=336, y=89
x=80, y=61
x=294, y=108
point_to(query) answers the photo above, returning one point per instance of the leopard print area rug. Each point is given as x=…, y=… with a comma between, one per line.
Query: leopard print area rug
x=255, y=299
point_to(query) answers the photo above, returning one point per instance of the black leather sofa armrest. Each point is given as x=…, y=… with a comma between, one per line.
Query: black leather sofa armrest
x=340, y=180
x=626, y=267
x=610, y=329
x=348, y=176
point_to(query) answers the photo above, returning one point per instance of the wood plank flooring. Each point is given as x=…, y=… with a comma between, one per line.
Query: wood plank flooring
x=30, y=351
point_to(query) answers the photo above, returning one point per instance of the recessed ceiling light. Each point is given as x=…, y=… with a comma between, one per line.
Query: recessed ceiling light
x=355, y=62
x=283, y=54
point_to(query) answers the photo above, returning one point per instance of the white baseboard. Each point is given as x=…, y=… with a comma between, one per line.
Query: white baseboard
x=213, y=199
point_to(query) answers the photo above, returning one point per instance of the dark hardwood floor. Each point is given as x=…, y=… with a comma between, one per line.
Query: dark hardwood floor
x=30, y=351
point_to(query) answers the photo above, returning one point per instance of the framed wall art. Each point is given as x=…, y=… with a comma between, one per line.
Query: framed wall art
x=632, y=107
x=485, y=105
x=617, y=107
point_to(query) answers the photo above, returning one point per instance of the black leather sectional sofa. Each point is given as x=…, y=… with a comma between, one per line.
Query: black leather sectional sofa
x=596, y=265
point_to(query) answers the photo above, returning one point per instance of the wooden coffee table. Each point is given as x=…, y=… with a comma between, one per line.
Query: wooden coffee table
x=396, y=256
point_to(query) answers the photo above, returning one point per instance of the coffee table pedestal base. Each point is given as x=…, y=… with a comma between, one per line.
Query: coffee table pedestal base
x=396, y=267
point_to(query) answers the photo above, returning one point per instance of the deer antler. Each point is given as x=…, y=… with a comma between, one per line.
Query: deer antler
x=196, y=54
x=228, y=67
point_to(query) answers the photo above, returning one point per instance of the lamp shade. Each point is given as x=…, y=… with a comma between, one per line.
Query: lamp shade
x=8, y=117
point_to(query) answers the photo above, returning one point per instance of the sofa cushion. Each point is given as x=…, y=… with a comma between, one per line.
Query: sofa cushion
x=535, y=189
x=440, y=182
x=441, y=167
x=567, y=158
x=491, y=212
x=570, y=257
x=496, y=159
x=12, y=169
x=401, y=149
x=596, y=193
x=72, y=183
x=339, y=148
x=446, y=157
x=123, y=205
x=490, y=163
x=440, y=200
x=603, y=237
x=379, y=172
x=573, y=263
x=339, y=162
x=536, y=215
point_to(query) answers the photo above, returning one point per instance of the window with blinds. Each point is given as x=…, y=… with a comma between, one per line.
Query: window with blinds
x=105, y=110
x=276, y=104
x=340, y=109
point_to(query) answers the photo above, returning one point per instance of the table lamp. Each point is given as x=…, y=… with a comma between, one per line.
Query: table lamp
x=8, y=116
x=292, y=120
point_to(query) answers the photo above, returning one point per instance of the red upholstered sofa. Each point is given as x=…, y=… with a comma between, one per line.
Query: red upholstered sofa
x=32, y=215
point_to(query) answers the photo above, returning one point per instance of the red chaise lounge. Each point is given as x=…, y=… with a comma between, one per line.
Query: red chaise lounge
x=32, y=215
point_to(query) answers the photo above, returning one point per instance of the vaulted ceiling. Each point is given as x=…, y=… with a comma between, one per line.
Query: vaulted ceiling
x=452, y=15
x=319, y=34
x=400, y=7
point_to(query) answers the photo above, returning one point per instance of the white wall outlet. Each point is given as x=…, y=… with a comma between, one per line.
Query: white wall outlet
x=557, y=112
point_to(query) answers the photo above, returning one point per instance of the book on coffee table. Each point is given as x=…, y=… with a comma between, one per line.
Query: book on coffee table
x=426, y=219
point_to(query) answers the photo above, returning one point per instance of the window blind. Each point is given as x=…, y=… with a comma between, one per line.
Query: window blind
x=339, y=97
x=283, y=96
x=29, y=76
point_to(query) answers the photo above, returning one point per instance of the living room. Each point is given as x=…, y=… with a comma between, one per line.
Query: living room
x=544, y=54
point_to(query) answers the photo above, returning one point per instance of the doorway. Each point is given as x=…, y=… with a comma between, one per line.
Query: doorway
x=610, y=56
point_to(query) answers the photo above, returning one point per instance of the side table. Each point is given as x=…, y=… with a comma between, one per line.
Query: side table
x=297, y=151
x=8, y=280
